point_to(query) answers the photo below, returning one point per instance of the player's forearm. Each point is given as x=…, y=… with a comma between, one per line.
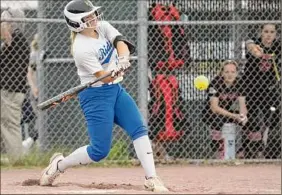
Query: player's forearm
x=243, y=110
x=105, y=80
x=254, y=49
x=122, y=49
x=242, y=106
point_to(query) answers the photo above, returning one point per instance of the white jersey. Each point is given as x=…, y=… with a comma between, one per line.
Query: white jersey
x=92, y=55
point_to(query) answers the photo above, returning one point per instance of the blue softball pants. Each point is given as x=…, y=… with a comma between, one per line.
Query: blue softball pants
x=102, y=107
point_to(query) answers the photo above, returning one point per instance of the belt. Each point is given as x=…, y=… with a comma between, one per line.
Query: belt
x=105, y=84
x=116, y=81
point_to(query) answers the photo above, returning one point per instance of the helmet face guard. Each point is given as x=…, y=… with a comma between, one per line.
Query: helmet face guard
x=80, y=14
x=87, y=20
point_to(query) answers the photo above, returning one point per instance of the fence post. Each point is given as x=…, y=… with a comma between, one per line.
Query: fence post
x=42, y=131
x=236, y=31
x=142, y=57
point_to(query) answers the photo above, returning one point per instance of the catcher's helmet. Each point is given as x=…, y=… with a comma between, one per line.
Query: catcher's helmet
x=76, y=10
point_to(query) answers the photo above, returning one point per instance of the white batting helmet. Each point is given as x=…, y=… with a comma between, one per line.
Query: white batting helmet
x=76, y=10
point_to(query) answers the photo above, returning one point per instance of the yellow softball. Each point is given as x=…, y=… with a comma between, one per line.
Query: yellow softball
x=201, y=82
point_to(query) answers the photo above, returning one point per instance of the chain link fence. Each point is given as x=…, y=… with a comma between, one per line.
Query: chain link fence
x=177, y=41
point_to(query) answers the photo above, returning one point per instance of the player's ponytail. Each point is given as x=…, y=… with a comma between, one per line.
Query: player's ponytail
x=72, y=37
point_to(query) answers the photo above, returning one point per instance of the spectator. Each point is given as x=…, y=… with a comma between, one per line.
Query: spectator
x=33, y=93
x=158, y=147
x=168, y=49
x=262, y=78
x=168, y=53
x=226, y=104
x=14, y=63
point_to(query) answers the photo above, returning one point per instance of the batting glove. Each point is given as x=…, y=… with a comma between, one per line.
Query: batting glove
x=122, y=65
x=123, y=62
x=117, y=72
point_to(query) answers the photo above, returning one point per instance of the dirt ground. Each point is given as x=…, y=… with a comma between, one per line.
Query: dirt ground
x=188, y=179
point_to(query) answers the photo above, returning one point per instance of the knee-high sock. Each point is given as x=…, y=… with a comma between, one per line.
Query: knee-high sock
x=144, y=153
x=78, y=157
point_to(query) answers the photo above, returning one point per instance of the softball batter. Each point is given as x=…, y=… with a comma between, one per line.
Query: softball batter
x=98, y=48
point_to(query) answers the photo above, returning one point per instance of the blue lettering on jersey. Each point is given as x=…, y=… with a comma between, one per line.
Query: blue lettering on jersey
x=105, y=53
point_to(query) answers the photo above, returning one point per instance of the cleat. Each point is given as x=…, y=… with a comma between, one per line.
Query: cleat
x=51, y=172
x=155, y=184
